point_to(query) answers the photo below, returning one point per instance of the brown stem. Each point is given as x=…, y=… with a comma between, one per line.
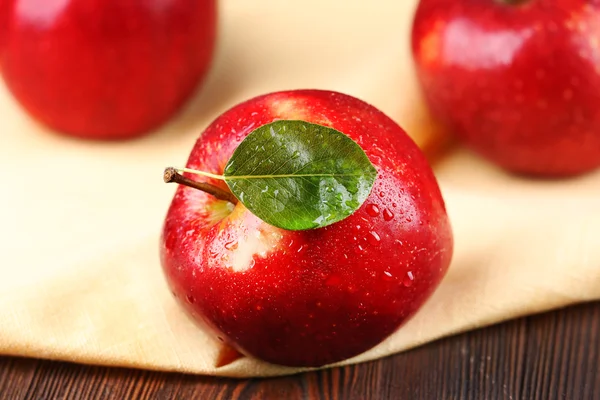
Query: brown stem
x=171, y=175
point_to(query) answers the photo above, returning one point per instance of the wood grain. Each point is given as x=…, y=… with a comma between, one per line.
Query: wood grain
x=550, y=356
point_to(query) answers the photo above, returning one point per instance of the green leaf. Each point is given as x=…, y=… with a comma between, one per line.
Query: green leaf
x=297, y=175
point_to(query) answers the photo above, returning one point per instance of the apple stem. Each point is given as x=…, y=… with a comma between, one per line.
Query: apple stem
x=171, y=175
x=203, y=173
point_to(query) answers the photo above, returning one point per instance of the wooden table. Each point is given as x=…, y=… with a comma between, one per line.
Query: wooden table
x=550, y=356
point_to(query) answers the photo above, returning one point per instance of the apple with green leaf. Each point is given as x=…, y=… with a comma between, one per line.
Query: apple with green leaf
x=518, y=81
x=307, y=228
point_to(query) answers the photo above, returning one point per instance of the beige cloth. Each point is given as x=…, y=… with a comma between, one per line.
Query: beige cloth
x=80, y=278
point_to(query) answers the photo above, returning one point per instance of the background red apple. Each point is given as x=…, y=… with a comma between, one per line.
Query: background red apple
x=105, y=69
x=518, y=81
x=313, y=297
x=4, y=16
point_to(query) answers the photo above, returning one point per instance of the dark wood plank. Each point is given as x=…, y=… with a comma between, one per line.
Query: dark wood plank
x=550, y=356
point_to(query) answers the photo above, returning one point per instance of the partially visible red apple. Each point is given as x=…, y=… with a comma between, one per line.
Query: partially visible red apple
x=105, y=69
x=4, y=15
x=312, y=297
x=517, y=80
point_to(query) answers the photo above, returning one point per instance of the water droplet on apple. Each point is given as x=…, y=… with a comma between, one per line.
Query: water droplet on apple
x=190, y=299
x=373, y=238
x=382, y=194
x=358, y=249
x=387, y=275
x=408, y=279
x=394, y=205
x=372, y=210
x=388, y=215
x=408, y=219
x=213, y=254
x=258, y=308
x=252, y=262
x=231, y=245
x=356, y=229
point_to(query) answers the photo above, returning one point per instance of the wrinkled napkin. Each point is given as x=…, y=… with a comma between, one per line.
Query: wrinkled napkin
x=80, y=278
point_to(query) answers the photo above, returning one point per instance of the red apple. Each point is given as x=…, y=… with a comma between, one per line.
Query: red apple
x=4, y=14
x=312, y=297
x=105, y=69
x=517, y=80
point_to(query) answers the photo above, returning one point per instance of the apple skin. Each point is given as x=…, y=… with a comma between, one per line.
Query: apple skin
x=105, y=69
x=519, y=84
x=314, y=297
x=4, y=15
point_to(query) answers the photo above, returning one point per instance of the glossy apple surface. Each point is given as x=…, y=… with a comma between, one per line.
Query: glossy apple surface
x=105, y=69
x=518, y=81
x=308, y=298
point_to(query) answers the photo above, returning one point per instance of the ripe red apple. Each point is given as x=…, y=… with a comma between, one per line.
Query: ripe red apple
x=105, y=69
x=312, y=297
x=517, y=80
x=4, y=14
